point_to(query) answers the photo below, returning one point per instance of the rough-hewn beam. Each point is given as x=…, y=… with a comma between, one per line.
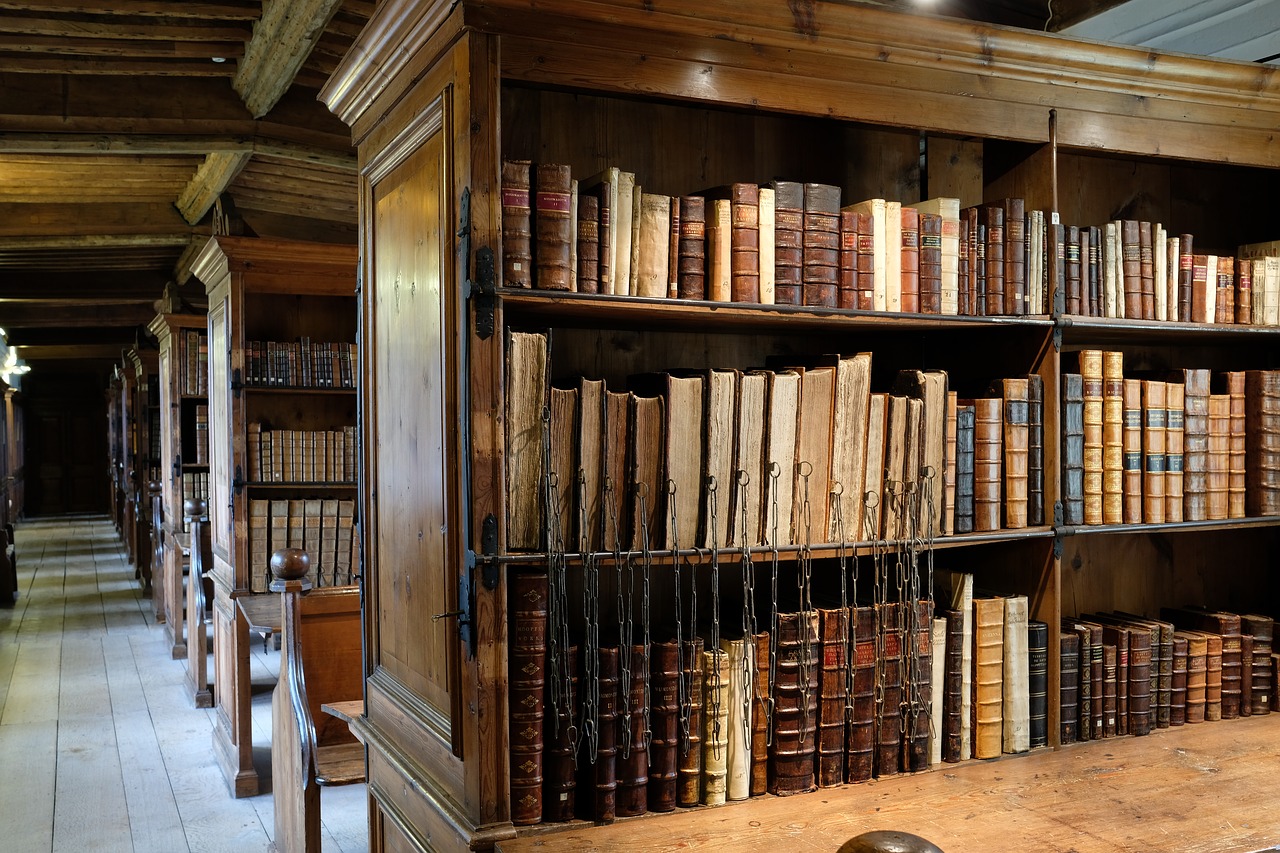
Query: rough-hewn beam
x=50, y=284
x=217, y=171
x=22, y=43
x=93, y=241
x=64, y=219
x=124, y=143
x=109, y=352
x=282, y=40
x=73, y=315
x=244, y=10
x=167, y=30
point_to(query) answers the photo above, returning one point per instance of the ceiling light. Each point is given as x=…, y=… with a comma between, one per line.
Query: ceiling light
x=219, y=59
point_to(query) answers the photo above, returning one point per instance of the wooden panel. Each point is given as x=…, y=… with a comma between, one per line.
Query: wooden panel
x=220, y=431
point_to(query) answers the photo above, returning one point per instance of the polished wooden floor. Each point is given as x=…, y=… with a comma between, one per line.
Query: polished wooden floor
x=101, y=747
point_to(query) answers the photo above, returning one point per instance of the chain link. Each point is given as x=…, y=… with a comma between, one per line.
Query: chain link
x=775, y=471
x=748, y=606
x=646, y=564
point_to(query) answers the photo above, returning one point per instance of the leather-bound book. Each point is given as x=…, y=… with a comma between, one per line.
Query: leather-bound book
x=1069, y=687
x=948, y=212
x=1224, y=306
x=1197, y=649
x=646, y=471
x=784, y=387
x=1015, y=265
x=848, y=284
x=1246, y=675
x=1147, y=270
x=1262, y=629
x=1075, y=287
x=1173, y=452
x=988, y=676
x=1234, y=385
x=937, y=688
x=874, y=228
x=889, y=677
x=866, y=276
x=1085, y=682
x=740, y=673
x=964, y=467
x=953, y=684
x=994, y=261
x=745, y=241
x=664, y=720
x=956, y=590
x=768, y=265
x=526, y=397
x=602, y=768
x=689, y=773
x=692, y=271
x=848, y=437
x=1108, y=690
x=762, y=697
x=1095, y=261
x=633, y=757
x=653, y=257
x=1212, y=678
x=1017, y=443
x=1186, y=268
x=1203, y=288
x=1262, y=442
x=988, y=458
x=673, y=250
x=1016, y=713
x=1155, y=410
x=744, y=501
x=795, y=711
x=1195, y=445
x=719, y=250
x=615, y=499
x=1132, y=438
x=1117, y=634
x=715, y=733
x=910, y=287
x=588, y=238
x=1227, y=627
x=931, y=263
x=930, y=387
x=564, y=460
x=1218, y=457
x=788, y=242
x=1038, y=681
x=1142, y=670
x=1244, y=291
x=1091, y=409
x=1112, y=437
x=964, y=278
x=833, y=695
x=1162, y=662
x=526, y=684
x=517, y=256
x=604, y=187
x=860, y=737
x=1131, y=260
x=917, y=654
x=821, y=242
x=1178, y=683
x=559, y=764
x=949, y=467
x=1072, y=448
x=553, y=228
x=1034, y=450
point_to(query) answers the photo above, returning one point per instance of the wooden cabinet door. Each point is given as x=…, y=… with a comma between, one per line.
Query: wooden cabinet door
x=220, y=431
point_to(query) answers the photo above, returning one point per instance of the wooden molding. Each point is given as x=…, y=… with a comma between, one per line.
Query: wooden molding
x=62, y=314
x=215, y=174
x=282, y=40
x=125, y=143
x=93, y=241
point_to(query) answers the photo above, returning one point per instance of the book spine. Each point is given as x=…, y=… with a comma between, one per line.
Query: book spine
x=1261, y=629
x=821, y=243
x=588, y=244
x=953, y=684
x=715, y=735
x=866, y=273
x=1195, y=444
x=1197, y=676
x=1244, y=291
x=795, y=713
x=1262, y=442
x=689, y=778
x=1154, y=412
x=1213, y=679
x=1094, y=451
x=554, y=231
x=1038, y=682
x=1035, y=450
x=740, y=677
x=517, y=257
x=664, y=721
x=988, y=676
x=1112, y=438
x=1068, y=687
x=860, y=761
x=1072, y=449
x=1237, y=440
x=848, y=284
x=987, y=460
x=932, y=263
x=833, y=696
x=1140, y=679
x=965, y=468
x=1218, y=458
x=788, y=242
x=1224, y=306
x=889, y=675
x=910, y=292
x=993, y=248
x=761, y=703
x=1246, y=675
x=1108, y=690
x=1173, y=443
x=745, y=242
x=917, y=654
x=692, y=270
x=1131, y=263
x=559, y=779
x=1075, y=289
x=1178, y=683
x=1146, y=269
x=1017, y=429
x=1132, y=447
x=633, y=757
x=1015, y=266
x=1016, y=710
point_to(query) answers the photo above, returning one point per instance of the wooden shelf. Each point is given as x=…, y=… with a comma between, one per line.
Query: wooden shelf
x=292, y=389
x=1109, y=330
x=1170, y=527
x=294, y=484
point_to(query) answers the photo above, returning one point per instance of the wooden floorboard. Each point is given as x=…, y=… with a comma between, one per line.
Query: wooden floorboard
x=101, y=748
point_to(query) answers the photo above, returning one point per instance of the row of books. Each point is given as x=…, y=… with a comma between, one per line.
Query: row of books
x=195, y=487
x=323, y=527
x=301, y=456
x=1123, y=674
x=1187, y=445
x=725, y=458
x=200, y=435
x=301, y=364
x=193, y=362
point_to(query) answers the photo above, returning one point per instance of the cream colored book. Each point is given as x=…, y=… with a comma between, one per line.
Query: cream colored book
x=1016, y=690
x=741, y=684
x=720, y=250
x=623, y=213
x=767, y=219
x=875, y=208
x=1172, y=265
x=654, y=246
x=780, y=457
x=872, y=499
x=1211, y=288
x=1160, y=259
x=722, y=394
x=715, y=735
x=893, y=255
x=938, y=687
x=849, y=445
x=637, y=196
x=745, y=500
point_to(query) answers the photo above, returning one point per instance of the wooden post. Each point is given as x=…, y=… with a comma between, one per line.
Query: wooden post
x=196, y=513
x=292, y=750
x=155, y=493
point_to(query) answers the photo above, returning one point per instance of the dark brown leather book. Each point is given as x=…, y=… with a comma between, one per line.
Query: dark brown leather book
x=1108, y=690
x=1178, y=683
x=1262, y=442
x=1072, y=448
x=1131, y=263
x=1203, y=284
x=910, y=293
x=988, y=459
x=848, y=293
x=1075, y=287
x=553, y=269
x=1195, y=445
x=689, y=779
x=1017, y=446
x=517, y=256
x=930, y=263
x=1085, y=682
x=1227, y=627
x=821, y=243
x=602, y=768
x=559, y=764
x=993, y=248
x=1218, y=458
x=1015, y=266
x=664, y=721
x=833, y=695
x=1246, y=675
x=744, y=238
x=603, y=187
x=1141, y=670
x=1117, y=635
x=1262, y=629
x=760, y=705
x=1155, y=410
x=795, y=711
x=953, y=685
x=526, y=684
x=1197, y=672
x=1097, y=696
x=673, y=250
x=692, y=273
x=888, y=754
x=1112, y=437
x=1186, y=271
x=588, y=244
x=1092, y=415
x=1234, y=385
x=788, y=238
x=633, y=756
x=866, y=284
x=1068, y=686
x=1244, y=291
x=917, y=653
x=1091, y=275
x=1132, y=397
x=1147, y=269
x=1225, y=304
x=860, y=759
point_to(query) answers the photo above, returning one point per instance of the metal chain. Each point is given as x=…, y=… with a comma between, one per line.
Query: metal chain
x=802, y=584
x=715, y=686
x=646, y=563
x=748, y=606
x=775, y=471
x=622, y=575
x=591, y=609
x=842, y=561
x=684, y=684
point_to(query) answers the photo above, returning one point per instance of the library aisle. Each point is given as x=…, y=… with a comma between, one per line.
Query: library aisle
x=100, y=746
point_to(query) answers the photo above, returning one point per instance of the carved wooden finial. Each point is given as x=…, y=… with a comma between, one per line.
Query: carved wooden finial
x=195, y=508
x=154, y=487
x=289, y=564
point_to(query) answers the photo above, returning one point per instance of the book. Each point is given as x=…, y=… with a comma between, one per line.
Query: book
x=664, y=722
x=833, y=695
x=1226, y=626
x=1035, y=450
x=909, y=286
x=847, y=291
x=873, y=488
x=965, y=414
x=1257, y=669
x=622, y=234
x=1090, y=367
x=949, y=466
x=988, y=677
x=1155, y=411
x=1197, y=674
x=890, y=684
x=745, y=498
x=784, y=390
x=930, y=387
x=1132, y=448
x=860, y=734
x=875, y=209
x=993, y=217
x=1218, y=458
x=813, y=454
x=684, y=458
x=653, y=255
x=526, y=685
x=788, y=242
x=917, y=665
x=1015, y=266
x=1131, y=265
x=795, y=713
x=988, y=460
x=1234, y=384
x=604, y=186
x=766, y=239
x=553, y=228
x=690, y=754
x=1016, y=707
x=588, y=245
x=602, y=767
x=893, y=255
x=937, y=688
x=1246, y=675
x=633, y=755
x=1244, y=291
x=930, y=271
x=1068, y=687
x=953, y=685
x=1016, y=448
x=1072, y=448
x=740, y=671
x=1195, y=445
x=1112, y=437
x=259, y=544
x=1178, y=683
x=563, y=460
x=821, y=243
x=744, y=243
x=1173, y=452
x=559, y=787
x=865, y=266
x=1038, y=683
x=715, y=718
x=589, y=477
x=525, y=399
x=645, y=478
x=718, y=457
x=719, y=250
x=1262, y=442
x=1075, y=291
x=849, y=420
x=615, y=496
x=948, y=211
x=1225, y=309
x=956, y=589
x=691, y=278
x=761, y=705
x=517, y=232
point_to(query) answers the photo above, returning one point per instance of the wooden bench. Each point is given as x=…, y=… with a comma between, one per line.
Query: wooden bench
x=321, y=663
x=198, y=593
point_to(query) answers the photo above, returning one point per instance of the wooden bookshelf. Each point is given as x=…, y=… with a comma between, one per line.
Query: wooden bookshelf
x=142, y=464
x=260, y=290
x=695, y=96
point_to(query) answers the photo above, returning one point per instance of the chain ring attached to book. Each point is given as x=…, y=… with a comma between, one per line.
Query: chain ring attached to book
x=748, y=606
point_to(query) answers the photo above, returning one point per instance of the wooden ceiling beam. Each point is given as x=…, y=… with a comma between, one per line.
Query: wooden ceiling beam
x=139, y=144
x=94, y=241
x=217, y=171
x=73, y=315
x=138, y=48
x=233, y=10
x=21, y=64
x=282, y=40
x=164, y=29
x=62, y=352
x=63, y=219
x=63, y=284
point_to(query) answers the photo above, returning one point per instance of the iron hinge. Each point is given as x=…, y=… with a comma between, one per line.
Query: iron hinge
x=481, y=287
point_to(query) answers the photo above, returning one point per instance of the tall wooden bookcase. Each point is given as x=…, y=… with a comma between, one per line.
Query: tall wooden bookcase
x=178, y=371
x=13, y=431
x=261, y=291
x=693, y=96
